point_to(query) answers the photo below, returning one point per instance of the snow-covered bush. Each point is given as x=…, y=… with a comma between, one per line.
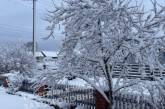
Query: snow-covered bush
x=15, y=82
x=16, y=58
x=153, y=92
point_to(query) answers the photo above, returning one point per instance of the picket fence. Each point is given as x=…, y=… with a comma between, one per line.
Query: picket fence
x=127, y=101
x=86, y=97
x=120, y=101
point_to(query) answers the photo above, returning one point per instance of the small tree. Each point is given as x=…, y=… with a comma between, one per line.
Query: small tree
x=16, y=58
x=101, y=33
x=18, y=61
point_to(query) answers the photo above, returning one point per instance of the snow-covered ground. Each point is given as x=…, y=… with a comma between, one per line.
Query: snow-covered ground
x=15, y=102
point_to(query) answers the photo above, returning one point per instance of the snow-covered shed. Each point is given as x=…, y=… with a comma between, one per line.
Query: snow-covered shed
x=39, y=56
x=50, y=54
x=46, y=55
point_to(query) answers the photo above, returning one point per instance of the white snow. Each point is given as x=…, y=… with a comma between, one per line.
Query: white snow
x=39, y=54
x=75, y=82
x=80, y=107
x=101, y=82
x=15, y=102
x=8, y=74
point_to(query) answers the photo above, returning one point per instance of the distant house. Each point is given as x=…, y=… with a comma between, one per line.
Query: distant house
x=39, y=56
x=46, y=55
x=50, y=54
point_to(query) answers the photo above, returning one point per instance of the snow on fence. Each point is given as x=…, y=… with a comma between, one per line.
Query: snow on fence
x=126, y=101
x=73, y=95
x=64, y=93
x=88, y=97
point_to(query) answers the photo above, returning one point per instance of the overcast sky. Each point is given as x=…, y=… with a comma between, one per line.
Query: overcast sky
x=16, y=22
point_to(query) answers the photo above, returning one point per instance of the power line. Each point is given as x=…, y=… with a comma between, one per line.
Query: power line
x=20, y=27
x=13, y=29
x=16, y=33
x=16, y=26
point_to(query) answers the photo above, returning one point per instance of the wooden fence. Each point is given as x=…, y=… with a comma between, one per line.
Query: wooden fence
x=134, y=71
x=73, y=95
x=127, y=101
x=87, y=97
x=2, y=80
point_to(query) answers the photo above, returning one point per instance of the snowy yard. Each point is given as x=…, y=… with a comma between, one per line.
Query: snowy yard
x=15, y=102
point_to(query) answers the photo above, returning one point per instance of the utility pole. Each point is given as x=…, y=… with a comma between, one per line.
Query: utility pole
x=34, y=26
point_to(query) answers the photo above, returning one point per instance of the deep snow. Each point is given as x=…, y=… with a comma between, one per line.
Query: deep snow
x=15, y=102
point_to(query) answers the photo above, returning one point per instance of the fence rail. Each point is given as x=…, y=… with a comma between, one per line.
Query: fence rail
x=133, y=71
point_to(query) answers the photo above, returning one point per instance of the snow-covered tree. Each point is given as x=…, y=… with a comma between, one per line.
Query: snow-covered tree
x=101, y=33
x=16, y=58
x=15, y=82
x=19, y=62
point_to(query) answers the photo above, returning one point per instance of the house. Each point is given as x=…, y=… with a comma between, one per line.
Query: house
x=46, y=60
x=39, y=56
x=46, y=56
x=50, y=55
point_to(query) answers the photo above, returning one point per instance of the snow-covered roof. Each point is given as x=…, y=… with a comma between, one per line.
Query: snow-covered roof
x=49, y=53
x=39, y=54
x=46, y=54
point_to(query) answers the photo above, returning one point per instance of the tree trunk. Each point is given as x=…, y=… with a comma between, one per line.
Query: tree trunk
x=111, y=100
x=109, y=79
x=110, y=96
